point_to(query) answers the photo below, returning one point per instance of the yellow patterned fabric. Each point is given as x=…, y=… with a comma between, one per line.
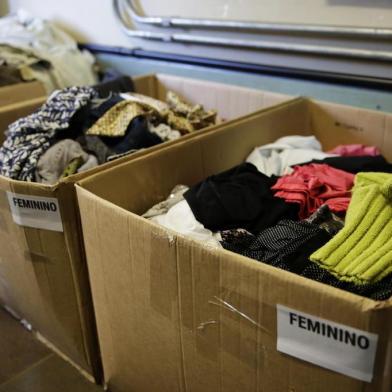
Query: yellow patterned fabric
x=178, y=114
x=187, y=118
x=149, y=103
x=116, y=120
x=181, y=124
x=178, y=105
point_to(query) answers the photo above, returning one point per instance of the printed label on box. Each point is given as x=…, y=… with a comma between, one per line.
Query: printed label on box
x=35, y=211
x=334, y=346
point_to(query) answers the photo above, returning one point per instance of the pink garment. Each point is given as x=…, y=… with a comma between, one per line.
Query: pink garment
x=355, y=150
x=313, y=185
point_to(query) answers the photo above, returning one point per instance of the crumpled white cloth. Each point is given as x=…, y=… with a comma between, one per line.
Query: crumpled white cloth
x=180, y=218
x=34, y=38
x=277, y=158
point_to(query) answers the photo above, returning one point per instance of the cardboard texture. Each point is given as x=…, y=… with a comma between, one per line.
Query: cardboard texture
x=43, y=275
x=174, y=315
x=12, y=112
x=19, y=92
x=19, y=100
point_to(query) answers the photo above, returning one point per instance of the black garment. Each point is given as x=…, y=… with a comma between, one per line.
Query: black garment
x=299, y=259
x=99, y=107
x=286, y=245
x=356, y=164
x=379, y=291
x=117, y=84
x=239, y=197
x=137, y=136
x=107, y=148
x=85, y=117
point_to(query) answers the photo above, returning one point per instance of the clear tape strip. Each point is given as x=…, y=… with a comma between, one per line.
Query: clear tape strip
x=226, y=305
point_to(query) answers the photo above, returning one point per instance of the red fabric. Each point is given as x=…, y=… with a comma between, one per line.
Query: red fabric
x=313, y=185
x=355, y=150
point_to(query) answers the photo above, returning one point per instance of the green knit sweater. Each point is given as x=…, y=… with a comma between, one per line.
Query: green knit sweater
x=362, y=251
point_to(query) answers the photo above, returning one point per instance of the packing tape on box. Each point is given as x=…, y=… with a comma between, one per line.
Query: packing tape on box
x=163, y=293
x=227, y=306
x=172, y=297
x=233, y=324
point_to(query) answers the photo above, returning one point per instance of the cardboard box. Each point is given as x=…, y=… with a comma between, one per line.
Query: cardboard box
x=11, y=113
x=19, y=92
x=19, y=100
x=174, y=315
x=43, y=274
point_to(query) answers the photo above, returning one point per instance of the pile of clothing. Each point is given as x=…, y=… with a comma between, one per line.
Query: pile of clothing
x=325, y=216
x=78, y=128
x=33, y=49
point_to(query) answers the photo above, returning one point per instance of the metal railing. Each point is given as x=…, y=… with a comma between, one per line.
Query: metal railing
x=255, y=26
x=126, y=6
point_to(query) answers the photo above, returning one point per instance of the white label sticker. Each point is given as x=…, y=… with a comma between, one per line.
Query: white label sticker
x=334, y=346
x=35, y=211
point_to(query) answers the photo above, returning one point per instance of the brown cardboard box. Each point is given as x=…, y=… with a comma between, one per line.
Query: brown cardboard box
x=175, y=315
x=19, y=92
x=43, y=275
x=19, y=100
x=11, y=113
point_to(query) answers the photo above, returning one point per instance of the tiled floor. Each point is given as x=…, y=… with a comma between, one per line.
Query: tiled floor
x=26, y=365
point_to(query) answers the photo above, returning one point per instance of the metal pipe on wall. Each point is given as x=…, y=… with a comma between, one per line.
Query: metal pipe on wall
x=330, y=51
x=256, y=26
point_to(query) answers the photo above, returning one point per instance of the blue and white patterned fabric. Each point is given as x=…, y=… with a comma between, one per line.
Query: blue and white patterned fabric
x=29, y=137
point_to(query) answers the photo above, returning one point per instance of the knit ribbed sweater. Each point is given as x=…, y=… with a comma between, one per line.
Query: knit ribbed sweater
x=362, y=251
